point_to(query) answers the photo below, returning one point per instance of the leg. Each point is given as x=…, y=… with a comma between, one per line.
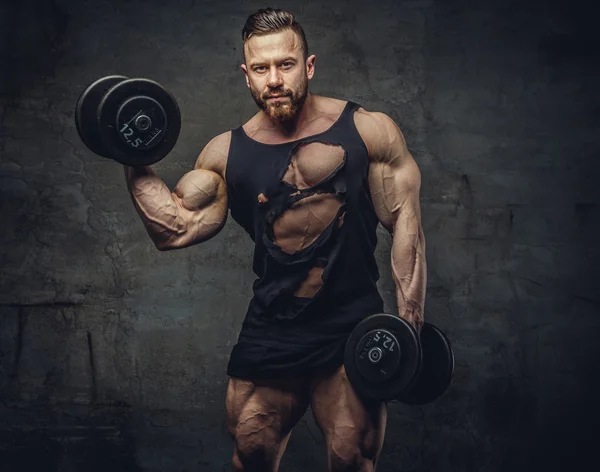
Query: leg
x=354, y=429
x=260, y=418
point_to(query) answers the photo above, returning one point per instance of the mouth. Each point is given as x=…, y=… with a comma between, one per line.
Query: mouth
x=277, y=98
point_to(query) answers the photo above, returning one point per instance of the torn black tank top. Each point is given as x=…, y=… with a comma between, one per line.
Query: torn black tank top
x=261, y=193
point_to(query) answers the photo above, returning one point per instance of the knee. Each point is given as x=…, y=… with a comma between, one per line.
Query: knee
x=348, y=455
x=255, y=453
x=346, y=459
x=256, y=445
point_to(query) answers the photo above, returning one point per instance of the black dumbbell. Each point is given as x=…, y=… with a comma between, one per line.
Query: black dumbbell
x=134, y=121
x=385, y=359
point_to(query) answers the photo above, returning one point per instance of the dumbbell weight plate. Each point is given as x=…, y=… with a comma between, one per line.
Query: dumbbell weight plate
x=139, y=122
x=86, y=110
x=437, y=370
x=378, y=355
x=368, y=381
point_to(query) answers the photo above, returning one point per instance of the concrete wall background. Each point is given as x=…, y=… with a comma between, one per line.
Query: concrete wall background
x=113, y=354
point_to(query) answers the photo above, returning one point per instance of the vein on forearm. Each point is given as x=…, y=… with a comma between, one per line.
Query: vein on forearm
x=408, y=261
x=154, y=200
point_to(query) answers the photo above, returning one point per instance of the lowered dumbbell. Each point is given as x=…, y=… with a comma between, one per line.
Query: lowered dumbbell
x=385, y=359
x=134, y=121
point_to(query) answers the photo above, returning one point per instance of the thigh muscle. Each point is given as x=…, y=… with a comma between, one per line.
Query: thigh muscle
x=263, y=413
x=354, y=429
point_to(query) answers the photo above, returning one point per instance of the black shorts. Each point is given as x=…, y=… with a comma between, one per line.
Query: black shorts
x=299, y=348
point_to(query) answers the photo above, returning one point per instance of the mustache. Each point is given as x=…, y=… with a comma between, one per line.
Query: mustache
x=276, y=94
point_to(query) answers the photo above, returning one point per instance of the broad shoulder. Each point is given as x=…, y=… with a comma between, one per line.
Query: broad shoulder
x=380, y=133
x=214, y=155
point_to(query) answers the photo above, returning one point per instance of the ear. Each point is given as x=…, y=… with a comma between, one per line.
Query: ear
x=245, y=70
x=310, y=66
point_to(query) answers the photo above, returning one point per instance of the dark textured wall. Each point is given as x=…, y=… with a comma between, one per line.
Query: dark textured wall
x=113, y=355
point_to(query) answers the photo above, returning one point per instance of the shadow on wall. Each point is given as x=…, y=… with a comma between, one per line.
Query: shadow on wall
x=30, y=31
x=70, y=448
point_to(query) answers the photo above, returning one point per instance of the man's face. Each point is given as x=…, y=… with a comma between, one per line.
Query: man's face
x=277, y=74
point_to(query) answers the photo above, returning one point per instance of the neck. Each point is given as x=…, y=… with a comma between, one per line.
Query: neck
x=289, y=128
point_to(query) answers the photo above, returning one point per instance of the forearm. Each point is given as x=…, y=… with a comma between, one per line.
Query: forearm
x=409, y=267
x=154, y=203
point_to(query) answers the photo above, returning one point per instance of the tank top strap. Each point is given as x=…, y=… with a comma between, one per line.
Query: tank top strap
x=237, y=133
x=351, y=107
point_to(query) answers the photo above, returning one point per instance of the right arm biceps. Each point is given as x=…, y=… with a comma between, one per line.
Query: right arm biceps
x=201, y=200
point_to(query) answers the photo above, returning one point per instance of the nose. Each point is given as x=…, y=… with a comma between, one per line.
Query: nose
x=275, y=79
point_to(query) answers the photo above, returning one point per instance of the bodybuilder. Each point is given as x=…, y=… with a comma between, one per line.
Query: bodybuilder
x=309, y=178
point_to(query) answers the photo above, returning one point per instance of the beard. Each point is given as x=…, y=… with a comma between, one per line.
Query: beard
x=285, y=111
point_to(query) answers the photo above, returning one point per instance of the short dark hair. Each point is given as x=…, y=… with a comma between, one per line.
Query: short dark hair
x=271, y=20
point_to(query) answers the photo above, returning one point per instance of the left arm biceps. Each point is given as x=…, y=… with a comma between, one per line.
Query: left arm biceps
x=394, y=177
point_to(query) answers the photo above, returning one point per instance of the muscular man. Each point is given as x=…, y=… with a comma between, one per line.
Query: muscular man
x=309, y=178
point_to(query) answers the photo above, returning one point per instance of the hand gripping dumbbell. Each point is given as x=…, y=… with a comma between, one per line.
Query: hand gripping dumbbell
x=134, y=121
x=385, y=359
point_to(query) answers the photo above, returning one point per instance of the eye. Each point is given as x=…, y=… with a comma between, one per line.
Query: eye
x=288, y=64
x=259, y=69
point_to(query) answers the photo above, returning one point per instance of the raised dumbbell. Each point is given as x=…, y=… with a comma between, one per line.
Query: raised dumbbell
x=385, y=359
x=134, y=121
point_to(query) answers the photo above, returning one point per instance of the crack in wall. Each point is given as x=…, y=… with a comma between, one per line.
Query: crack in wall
x=92, y=366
